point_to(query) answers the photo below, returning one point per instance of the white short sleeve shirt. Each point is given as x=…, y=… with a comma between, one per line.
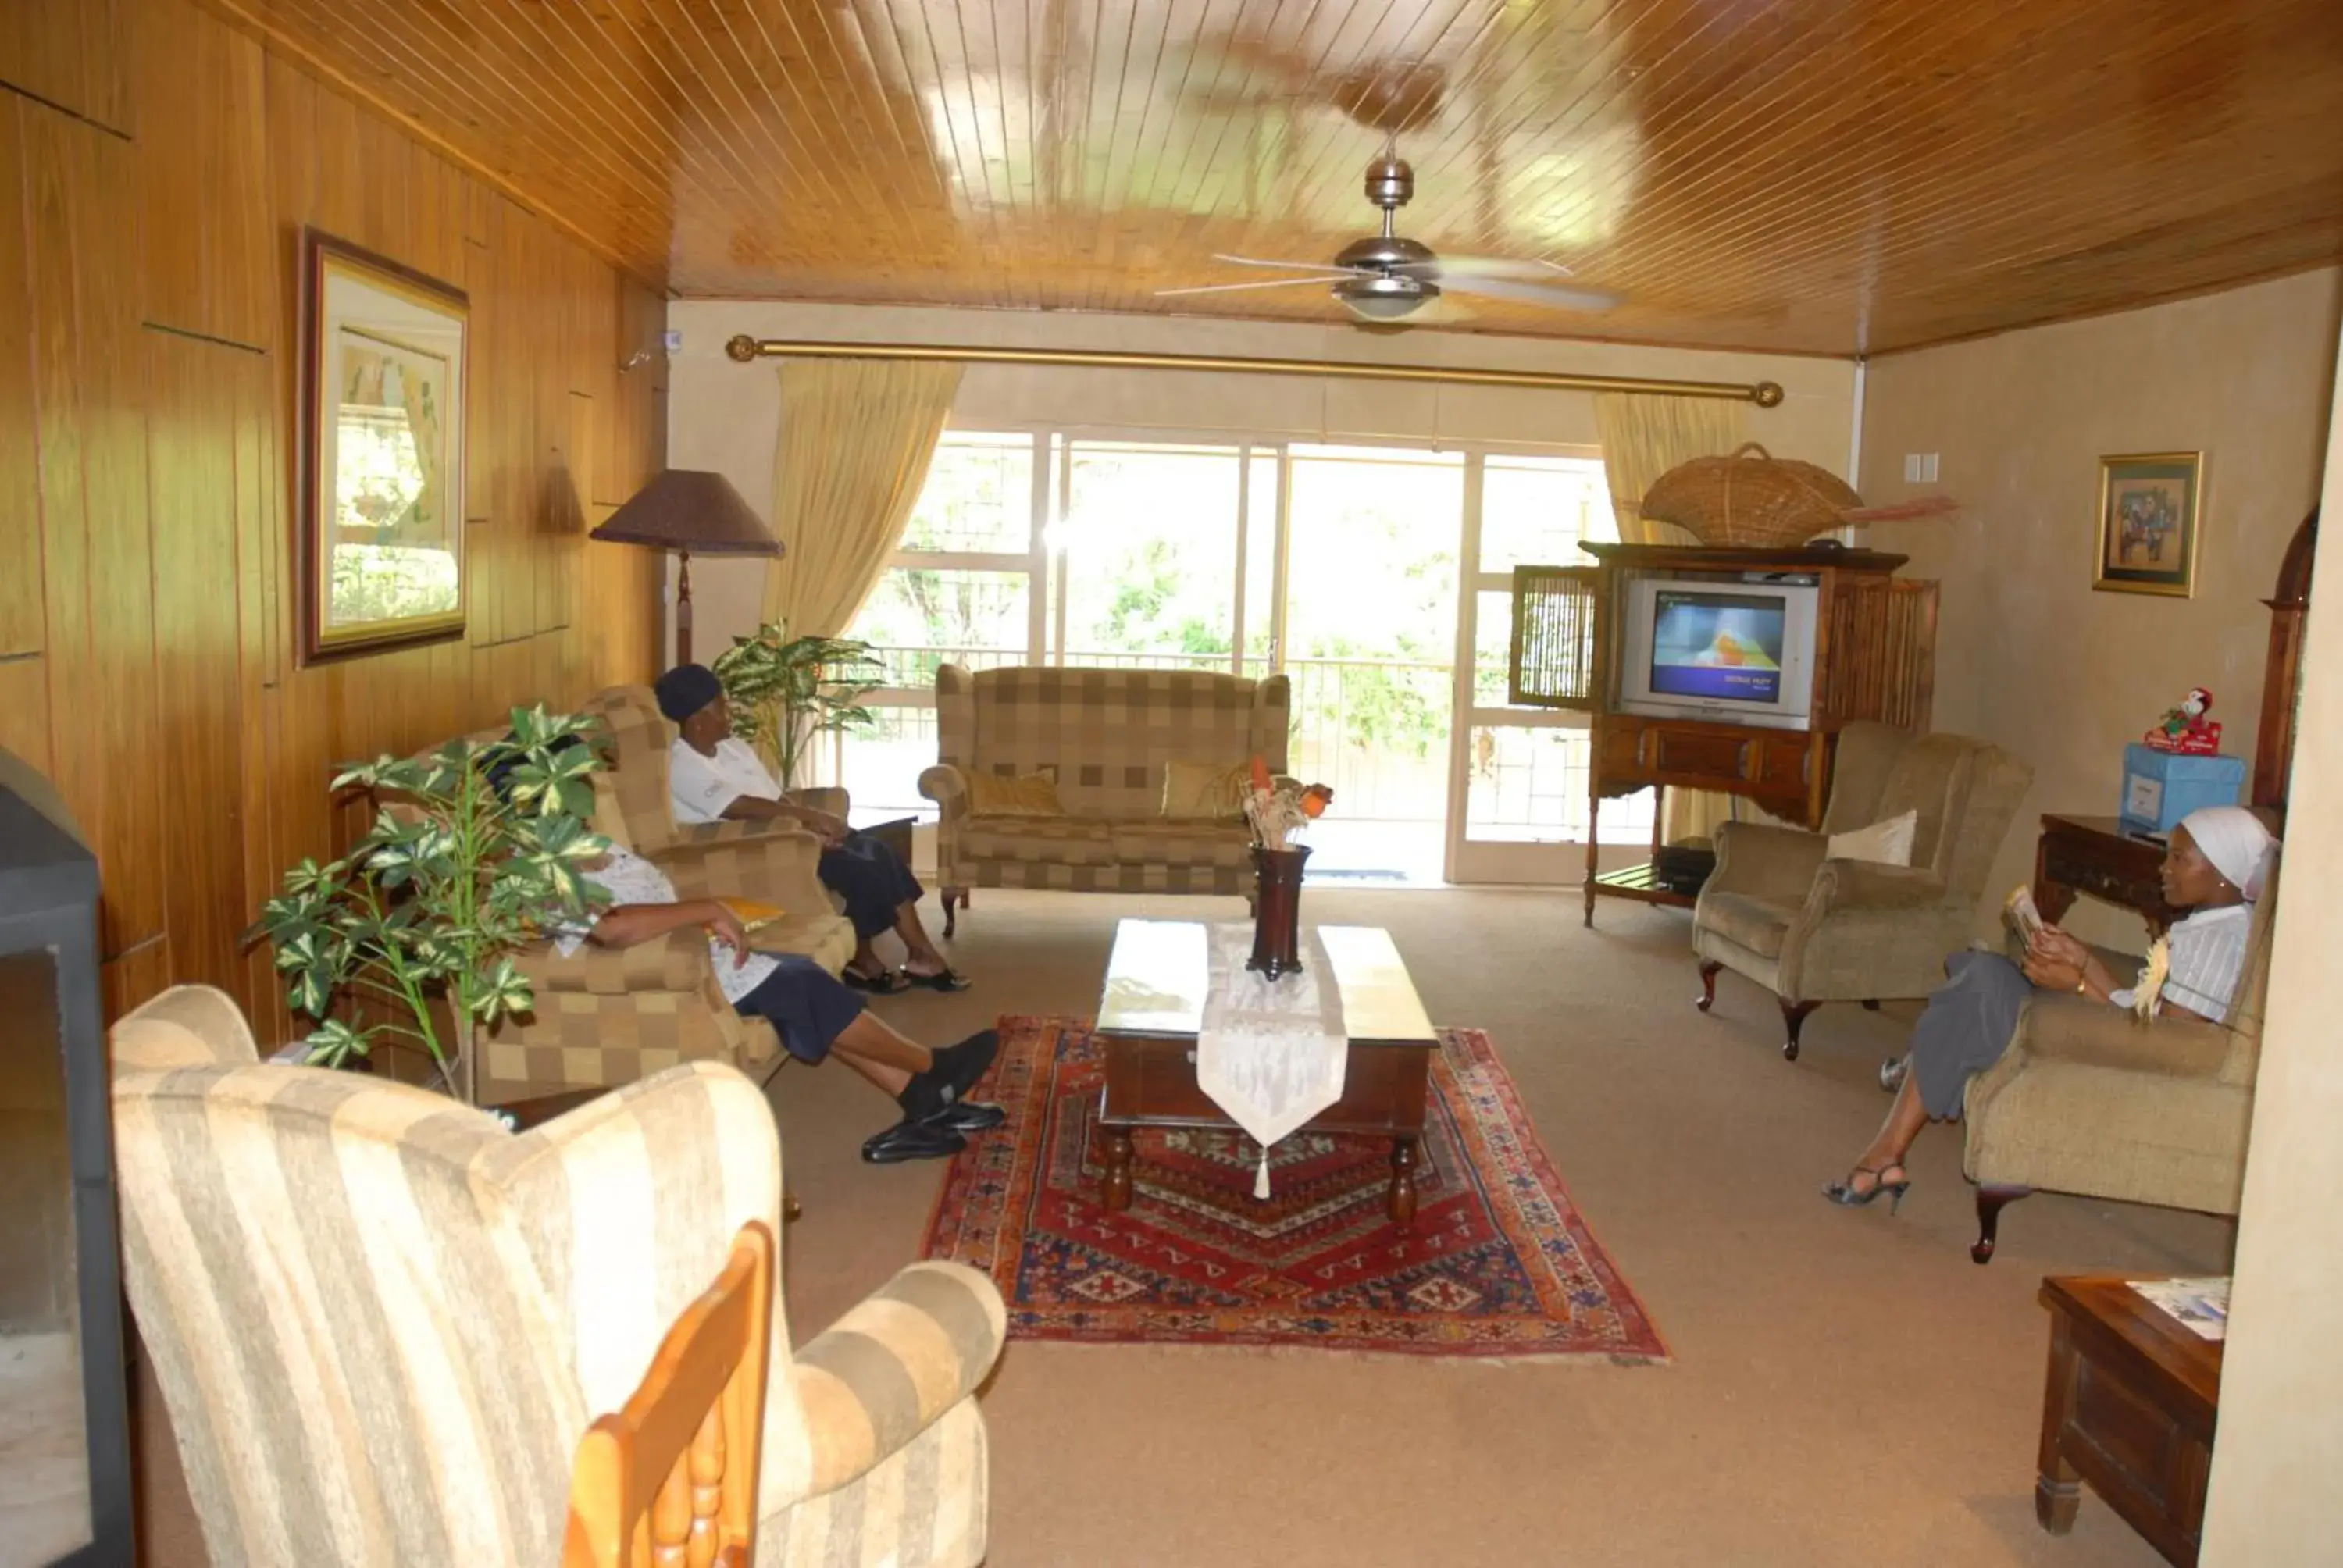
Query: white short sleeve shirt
x=2209, y=953
x=703, y=786
x=630, y=879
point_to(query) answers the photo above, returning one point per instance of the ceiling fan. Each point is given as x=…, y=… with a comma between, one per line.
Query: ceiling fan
x=1385, y=278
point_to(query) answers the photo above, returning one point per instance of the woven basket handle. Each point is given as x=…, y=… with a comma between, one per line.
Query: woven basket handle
x=1746, y=448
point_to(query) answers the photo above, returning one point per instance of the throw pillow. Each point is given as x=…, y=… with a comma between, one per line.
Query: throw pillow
x=1889, y=843
x=1026, y=795
x=1205, y=791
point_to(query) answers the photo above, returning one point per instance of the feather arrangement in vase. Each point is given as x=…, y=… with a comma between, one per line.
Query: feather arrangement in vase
x=1277, y=809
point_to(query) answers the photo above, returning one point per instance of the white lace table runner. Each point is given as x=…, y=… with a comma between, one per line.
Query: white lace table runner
x=1271, y=1053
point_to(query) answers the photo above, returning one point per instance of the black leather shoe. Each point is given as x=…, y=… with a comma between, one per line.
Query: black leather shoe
x=969, y=1116
x=908, y=1139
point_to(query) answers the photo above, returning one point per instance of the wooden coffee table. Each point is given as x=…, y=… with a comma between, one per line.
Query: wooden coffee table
x=1153, y=1007
x=2129, y=1408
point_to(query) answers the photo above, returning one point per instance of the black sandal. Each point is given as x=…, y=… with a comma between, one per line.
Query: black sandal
x=887, y=982
x=946, y=980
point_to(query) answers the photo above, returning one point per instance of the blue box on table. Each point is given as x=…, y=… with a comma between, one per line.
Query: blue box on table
x=2159, y=788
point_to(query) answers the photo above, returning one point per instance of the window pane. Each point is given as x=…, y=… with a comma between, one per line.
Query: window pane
x=978, y=495
x=919, y=618
x=884, y=762
x=1529, y=786
x=1534, y=510
x=1373, y=564
x=1149, y=547
x=1493, y=647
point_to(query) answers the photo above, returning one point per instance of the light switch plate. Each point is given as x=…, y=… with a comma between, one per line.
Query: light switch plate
x=674, y=342
x=1919, y=467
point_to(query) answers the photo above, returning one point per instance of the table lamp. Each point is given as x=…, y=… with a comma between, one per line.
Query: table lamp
x=683, y=510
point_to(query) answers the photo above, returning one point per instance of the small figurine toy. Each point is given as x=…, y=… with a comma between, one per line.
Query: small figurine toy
x=2186, y=729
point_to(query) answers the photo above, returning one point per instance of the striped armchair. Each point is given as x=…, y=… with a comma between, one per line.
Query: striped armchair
x=1106, y=735
x=379, y=1320
x=605, y=1018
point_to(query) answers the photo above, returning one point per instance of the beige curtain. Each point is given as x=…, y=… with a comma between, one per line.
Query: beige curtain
x=857, y=436
x=1643, y=438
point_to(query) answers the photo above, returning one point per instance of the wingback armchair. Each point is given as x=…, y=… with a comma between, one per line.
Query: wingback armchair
x=379, y=1320
x=1812, y=930
x=2088, y=1101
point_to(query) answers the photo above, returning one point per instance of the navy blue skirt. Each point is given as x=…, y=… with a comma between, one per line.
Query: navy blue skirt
x=872, y=880
x=806, y=1005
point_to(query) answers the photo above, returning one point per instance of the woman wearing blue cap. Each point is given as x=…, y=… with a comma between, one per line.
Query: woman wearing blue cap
x=713, y=776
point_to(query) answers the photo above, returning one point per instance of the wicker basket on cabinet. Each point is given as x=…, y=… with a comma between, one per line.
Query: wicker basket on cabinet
x=1751, y=500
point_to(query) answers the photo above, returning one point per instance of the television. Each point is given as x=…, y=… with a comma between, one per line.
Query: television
x=1734, y=652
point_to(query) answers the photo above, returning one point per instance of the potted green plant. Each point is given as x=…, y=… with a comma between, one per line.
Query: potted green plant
x=784, y=692
x=475, y=850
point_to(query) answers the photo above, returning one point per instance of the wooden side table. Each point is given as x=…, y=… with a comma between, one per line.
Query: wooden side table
x=2097, y=855
x=2129, y=1407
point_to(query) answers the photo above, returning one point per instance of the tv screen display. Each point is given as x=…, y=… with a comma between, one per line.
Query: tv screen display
x=1723, y=646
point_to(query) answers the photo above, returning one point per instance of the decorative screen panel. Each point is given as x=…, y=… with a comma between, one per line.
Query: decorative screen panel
x=1553, y=653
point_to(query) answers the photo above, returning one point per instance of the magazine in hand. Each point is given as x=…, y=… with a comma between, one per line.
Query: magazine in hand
x=2019, y=910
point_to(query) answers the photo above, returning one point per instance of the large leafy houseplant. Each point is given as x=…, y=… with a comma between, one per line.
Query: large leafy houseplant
x=784, y=692
x=475, y=851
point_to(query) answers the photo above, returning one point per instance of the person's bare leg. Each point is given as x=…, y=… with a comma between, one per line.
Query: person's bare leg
x=1884, y=1155
x=924, y=957
x=867, y=1038
x=892, y=1079
x=865, y=961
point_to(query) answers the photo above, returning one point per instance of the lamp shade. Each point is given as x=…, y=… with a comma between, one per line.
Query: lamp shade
x=690, y=509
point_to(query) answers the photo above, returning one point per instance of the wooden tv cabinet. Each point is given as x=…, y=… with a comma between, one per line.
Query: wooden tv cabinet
x=1875, y=658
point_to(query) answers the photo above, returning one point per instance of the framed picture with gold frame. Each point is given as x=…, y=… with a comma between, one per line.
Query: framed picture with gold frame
x=381, y=505
x=2149, y=505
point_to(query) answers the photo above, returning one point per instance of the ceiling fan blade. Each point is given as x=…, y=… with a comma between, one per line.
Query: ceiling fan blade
x=1330, y=269
x=1546, y=295
x=1515, y=268
x=1229, y=287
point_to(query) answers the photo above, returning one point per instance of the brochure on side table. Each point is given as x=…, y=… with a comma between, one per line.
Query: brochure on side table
x=2201, y=1305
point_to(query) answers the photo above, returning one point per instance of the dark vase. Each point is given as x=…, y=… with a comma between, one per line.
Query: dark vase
x=1277, y=911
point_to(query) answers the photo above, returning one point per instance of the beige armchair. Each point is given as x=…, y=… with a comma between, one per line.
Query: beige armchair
x=380, y=1320
x=1812, y=930
x=2087, y=1100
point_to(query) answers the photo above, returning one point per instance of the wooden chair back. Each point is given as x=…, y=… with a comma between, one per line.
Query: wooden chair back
x=671, y=1480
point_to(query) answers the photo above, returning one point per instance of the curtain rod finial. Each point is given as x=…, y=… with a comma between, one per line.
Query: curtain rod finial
x=743, y=349
x=1769, y=393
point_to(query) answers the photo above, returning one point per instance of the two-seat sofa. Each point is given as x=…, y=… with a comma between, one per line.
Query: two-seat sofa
x=1107, y=736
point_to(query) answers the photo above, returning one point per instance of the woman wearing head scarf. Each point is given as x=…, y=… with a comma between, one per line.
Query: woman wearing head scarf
x=2215, y=865
x=713, y=776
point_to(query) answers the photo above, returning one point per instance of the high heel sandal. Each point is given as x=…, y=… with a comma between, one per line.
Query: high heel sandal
x=1847, y=1196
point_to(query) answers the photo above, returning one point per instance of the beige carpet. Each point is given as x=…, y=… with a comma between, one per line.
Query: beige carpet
x=1847, y=1389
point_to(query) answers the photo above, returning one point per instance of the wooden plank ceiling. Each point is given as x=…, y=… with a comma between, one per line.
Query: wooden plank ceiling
x=1823, y=176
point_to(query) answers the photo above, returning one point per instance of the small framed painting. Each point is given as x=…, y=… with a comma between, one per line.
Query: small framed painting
x=2147, y=523
x=381, y=503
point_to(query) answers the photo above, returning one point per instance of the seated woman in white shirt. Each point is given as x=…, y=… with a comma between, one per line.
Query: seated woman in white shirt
x=2215, y=866
x=713, y=776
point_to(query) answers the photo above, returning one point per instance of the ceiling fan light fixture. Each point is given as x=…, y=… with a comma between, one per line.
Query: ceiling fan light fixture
x=1384, y=299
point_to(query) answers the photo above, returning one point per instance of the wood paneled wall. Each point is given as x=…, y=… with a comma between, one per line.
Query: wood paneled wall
x=157, y=166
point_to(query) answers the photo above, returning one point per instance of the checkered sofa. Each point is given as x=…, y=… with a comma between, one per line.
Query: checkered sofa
x=608, y=1016
x=1107, y=733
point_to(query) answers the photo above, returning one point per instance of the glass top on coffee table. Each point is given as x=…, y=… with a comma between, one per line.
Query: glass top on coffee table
x=1157, y=976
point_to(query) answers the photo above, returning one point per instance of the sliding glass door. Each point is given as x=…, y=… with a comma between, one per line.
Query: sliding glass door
x=1378, y=578
x=1517, y=777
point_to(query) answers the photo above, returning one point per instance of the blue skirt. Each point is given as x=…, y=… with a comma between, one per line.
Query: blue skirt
x=872, y=880
x=1968, y=1023
x=806, y=1005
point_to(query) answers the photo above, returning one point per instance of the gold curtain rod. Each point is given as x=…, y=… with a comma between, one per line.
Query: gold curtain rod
x=744, y=348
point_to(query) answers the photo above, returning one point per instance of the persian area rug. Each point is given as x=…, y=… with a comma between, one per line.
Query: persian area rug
x=1497, y=1264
